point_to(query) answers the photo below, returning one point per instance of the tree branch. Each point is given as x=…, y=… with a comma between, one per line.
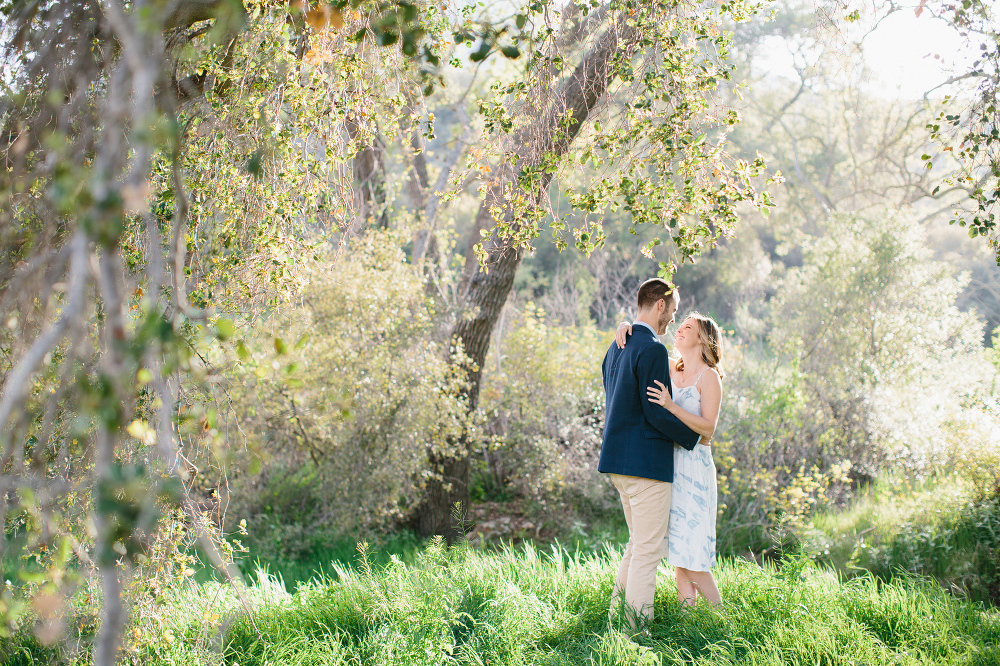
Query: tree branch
x=18, y=381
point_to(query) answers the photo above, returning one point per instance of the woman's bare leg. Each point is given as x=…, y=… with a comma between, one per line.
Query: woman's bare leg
x=689, y=583
x=686, y=589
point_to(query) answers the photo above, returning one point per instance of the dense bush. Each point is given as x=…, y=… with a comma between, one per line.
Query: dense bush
x=870, y=367
x=959, y=547
x=541, y=408
x=946, y=527
x=888, y=363
x=342, y=400
x=845, y=384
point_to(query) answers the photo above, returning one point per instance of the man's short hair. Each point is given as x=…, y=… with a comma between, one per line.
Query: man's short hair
x=651, y=291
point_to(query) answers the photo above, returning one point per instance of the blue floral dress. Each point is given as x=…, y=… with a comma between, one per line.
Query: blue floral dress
x=694, y=497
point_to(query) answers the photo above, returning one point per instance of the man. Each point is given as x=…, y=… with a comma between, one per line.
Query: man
x=637, y=450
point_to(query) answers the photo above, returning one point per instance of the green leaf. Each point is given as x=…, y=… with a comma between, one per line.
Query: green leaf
x=31, y=576
x=224, y=328
x=409, y=12
x=480, y=53
x=255, y=164
x=388, y=38
x=409, y=47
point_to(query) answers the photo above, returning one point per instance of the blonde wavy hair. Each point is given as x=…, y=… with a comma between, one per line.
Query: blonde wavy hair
x=711, y=342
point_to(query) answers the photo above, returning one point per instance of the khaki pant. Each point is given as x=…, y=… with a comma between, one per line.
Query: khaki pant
x=647, y=511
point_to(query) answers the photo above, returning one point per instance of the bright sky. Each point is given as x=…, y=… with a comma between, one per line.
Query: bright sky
x=909, y=55
x=899, y=53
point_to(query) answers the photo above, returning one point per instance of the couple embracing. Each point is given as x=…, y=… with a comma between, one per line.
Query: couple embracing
x=660, y=415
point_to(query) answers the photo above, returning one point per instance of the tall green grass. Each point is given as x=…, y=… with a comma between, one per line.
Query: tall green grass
x=523, y=606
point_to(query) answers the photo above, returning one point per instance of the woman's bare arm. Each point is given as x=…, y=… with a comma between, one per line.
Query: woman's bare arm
x=711, y=398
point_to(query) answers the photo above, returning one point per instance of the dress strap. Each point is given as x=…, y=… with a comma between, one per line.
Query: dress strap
x=699, y=376
x=672, y=372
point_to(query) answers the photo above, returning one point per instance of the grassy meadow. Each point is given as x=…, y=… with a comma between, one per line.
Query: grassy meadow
x=531, y=606
x=900, y=576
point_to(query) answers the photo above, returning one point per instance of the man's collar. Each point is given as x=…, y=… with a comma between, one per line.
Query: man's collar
x=642, y=323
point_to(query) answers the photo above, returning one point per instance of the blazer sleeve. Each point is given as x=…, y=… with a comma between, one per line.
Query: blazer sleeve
x=652, y=365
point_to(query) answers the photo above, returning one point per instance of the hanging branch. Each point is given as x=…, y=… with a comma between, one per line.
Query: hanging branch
x=18, y=380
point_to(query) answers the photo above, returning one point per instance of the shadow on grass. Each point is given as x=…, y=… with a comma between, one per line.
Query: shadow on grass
x=322, y=563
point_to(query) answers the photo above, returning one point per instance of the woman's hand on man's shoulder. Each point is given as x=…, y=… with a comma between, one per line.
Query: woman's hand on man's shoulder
x=621, y=334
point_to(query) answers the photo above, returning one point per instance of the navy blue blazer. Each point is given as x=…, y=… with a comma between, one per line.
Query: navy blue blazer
x=639, y=435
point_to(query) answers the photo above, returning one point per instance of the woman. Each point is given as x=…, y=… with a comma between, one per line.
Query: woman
x=696, y=380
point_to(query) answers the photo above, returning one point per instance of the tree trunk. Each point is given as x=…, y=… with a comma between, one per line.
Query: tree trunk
x=369, y=177
x=486, y=292
x=435, y=514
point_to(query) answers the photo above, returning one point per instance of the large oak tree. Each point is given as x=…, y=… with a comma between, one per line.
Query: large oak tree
x=637, y=110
